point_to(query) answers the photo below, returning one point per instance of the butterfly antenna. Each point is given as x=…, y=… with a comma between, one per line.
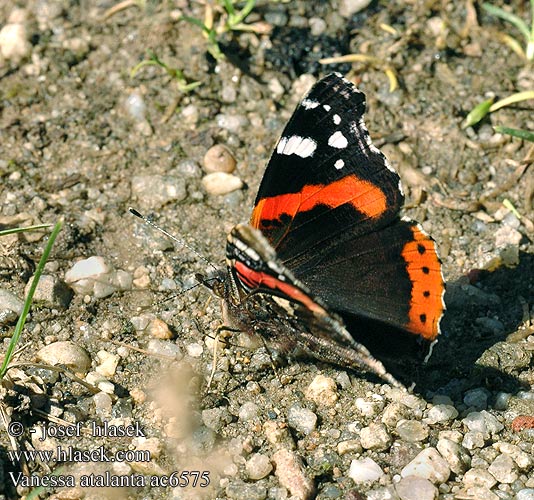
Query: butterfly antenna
x=178, y=241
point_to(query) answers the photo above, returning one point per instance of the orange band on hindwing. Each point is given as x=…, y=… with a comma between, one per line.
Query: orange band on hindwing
x=424, y=270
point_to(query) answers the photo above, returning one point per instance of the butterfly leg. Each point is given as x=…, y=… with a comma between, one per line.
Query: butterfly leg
x=220, y=330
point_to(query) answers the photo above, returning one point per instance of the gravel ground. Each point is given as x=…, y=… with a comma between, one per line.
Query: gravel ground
x=82, y=139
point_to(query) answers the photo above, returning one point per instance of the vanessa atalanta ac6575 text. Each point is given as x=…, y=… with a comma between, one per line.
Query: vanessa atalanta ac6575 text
x=326, y=243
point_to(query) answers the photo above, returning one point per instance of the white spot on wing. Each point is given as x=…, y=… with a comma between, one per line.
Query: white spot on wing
x=337, y=140
x=309, y=104
x=337, y=119
x=327, y=107
x=296, y=145
x=281, y=145
x=339, y=164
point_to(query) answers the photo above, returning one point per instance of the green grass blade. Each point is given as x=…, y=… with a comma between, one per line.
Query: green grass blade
x=507, y=16
x=247, y=9
x=515, y=132
x=477, y=113
x=229, y=7
x=28, y=301
x=22, y=229
x=196, y=22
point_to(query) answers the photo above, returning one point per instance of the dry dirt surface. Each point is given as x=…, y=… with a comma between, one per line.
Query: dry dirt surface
x=83, y=137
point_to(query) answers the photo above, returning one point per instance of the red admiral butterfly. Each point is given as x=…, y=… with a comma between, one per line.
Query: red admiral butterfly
x=326, y=246
x=325, y=242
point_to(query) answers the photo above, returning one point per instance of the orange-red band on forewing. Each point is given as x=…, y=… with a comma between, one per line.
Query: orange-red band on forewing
x=259, y=279
x=363, y=195
x=424, y=270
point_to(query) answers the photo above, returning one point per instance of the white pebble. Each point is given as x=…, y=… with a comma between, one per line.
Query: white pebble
x=14, y=44
x=365, y=469
x=218, y=183
x=322, y=390
x=428, y=464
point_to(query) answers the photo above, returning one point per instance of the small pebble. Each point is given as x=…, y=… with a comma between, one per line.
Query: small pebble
x=416, y=488
x=51, y=291
x=237, y=490
x=216, y=418
x=393, y=413
x=219, y=158
x=428, y=464
x=476, y=398
x=164, y=348
x=523, y=422
x=108, y=363
x=14, y=44
x=347, y=8
x=154, y=191
x=478, y=477
x=349, y=446
x=456, y=455
x=194, y=350
x=248, y=411
x=525, y=494
x=66, y=353
x=375, y=437
x=94, y=276
x=412, y=431
x=322, y=390
x=368, y=408
x=441, y=413
x=291, y=474
x=218, y=183
x=135, y=106
x=158, y=329
x=301, y=419
x=10, y=307
x=232, y=123
x=365, y=469
x=103, y=404
x=503, y=469
x=472, y=440
x=258, y=466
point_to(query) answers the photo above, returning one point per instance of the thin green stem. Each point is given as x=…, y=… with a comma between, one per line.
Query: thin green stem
x=28, y=301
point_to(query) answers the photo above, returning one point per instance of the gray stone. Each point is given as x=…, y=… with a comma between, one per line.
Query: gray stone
x=412, y=430
x=456, y=455
x=301, y=419
x=503, y=469
x=472, y=440
x=66, y=353
x=525, y=494
x=258, y=466
x=375, y=437
x=479, y=478
x=476, y=398
x=10, y=307
x=51, y=291
x=248, y=411
x=441, y=413
x=154, y=191
x=216, y=418
x=246, y=491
